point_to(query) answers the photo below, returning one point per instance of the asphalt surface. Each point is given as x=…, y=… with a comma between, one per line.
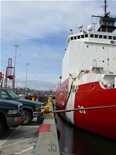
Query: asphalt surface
x=20, y=140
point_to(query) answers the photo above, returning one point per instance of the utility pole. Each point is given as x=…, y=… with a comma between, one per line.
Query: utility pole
x=26, y=77
x=13, y=83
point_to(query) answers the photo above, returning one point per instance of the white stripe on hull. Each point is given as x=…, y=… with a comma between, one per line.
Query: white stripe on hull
x=70, y=105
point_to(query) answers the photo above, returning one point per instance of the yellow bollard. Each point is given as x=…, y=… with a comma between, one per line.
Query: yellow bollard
x=46, y=108
x=32, y=98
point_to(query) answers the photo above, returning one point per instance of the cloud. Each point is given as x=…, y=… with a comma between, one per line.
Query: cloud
x=23, y=20
x=41, y=29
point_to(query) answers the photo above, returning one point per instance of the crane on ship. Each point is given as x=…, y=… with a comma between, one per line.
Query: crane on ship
x=1, y=79
x=9, y=74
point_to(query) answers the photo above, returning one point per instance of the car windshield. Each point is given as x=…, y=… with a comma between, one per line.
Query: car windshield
x=13, y=95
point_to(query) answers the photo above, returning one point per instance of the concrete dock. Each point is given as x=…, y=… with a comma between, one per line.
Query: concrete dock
x=47, y=141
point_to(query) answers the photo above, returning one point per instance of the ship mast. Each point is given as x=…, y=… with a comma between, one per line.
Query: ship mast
x=105, y=7
x=107, y=23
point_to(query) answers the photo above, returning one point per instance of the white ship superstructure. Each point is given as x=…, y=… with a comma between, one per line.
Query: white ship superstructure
x=97, y=47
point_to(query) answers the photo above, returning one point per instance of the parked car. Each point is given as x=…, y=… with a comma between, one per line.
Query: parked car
x=41, y=98
x=11, y=114
x=31, y=108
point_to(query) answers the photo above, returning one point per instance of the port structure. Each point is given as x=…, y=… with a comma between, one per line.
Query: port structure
x=1, y=79
x=53, y=94
x=9, y=74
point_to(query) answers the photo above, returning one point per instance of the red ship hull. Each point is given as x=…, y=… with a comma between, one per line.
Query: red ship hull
x=99, y=121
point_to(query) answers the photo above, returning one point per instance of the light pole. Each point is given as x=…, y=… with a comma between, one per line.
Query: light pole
x=13, y=83
x=26, y=77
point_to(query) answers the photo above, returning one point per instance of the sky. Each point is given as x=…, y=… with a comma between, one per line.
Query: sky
x=41, y=28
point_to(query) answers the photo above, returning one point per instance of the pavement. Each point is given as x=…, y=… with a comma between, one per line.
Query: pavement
x=20, y=140
x=38, y=138
x=47, y=141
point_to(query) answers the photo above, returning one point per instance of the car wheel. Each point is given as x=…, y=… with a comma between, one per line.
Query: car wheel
x=28, y=118
x=6, y=126
x=1, y=126
x=40, y=119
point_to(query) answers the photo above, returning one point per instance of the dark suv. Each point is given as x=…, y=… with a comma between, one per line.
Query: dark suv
x=11, y=114
x=32, y=109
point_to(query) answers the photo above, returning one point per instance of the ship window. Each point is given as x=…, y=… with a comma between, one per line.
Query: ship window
x=100, y=36
x=71, y=38
x=93, y=86
x=97, y=70
x=109, y=37
x=86, y=35
x=78, y=37
x=112, y=42
x=82, y=36
x=75, y=37
x=96, y=36
x=91, y=35
x=105, y=37
x=114, y=38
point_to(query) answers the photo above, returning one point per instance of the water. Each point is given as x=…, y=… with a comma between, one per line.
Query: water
x=77, y=141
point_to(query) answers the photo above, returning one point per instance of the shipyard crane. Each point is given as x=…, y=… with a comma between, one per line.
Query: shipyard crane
x=53, y=94
x=9, y=74
x=1, y=79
